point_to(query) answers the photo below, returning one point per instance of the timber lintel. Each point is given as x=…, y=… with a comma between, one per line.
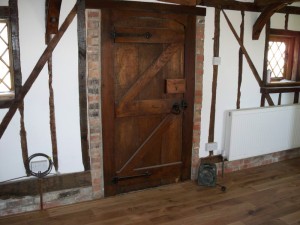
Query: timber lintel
x=269, y=2
x=181, y=2
x=258, y=6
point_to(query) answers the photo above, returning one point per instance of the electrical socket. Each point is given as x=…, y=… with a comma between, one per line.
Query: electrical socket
x=39, y=166
x=211, y=146
x=216, y=61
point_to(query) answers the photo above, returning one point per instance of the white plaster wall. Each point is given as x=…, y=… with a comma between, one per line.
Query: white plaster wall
x=66, y=91
x=228, y=70
x=65, y=83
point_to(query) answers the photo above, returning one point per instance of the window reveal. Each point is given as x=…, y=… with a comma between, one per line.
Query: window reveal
x=283, y=56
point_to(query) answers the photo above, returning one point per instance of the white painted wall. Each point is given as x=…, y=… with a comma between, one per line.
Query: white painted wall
x=65, y=83
x=228, y=71
x=66, y=91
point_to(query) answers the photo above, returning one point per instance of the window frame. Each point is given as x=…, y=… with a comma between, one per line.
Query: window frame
x=10, y=14
x=9, y=95
x=292, y=38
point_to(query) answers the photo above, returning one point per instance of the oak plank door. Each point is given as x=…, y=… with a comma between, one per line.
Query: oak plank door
x=147, y=98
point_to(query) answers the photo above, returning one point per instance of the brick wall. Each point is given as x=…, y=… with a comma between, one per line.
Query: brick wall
x=50, y=199
x=198, y=94
x=94, y=99
x=247, y=163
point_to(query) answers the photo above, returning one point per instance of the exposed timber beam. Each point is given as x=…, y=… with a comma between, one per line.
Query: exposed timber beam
x=247, y=6
x=52, y=16
x=290, y=10
x=82, y=80
x=36, y=71
x=4, y=11
x=241, y=57
x=52, y=23
x=145, y=6
x=250, y=62
x=211, y=135
x=264, y=18
x=230, y=5
x=181, y=2
x=269, y=2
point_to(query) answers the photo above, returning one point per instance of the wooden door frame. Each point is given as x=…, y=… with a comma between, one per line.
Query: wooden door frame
x=107, y=90
x=146, y=7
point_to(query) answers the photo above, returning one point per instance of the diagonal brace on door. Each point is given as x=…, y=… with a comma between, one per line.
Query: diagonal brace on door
x=36, y=71
x=148, y=74
x=139, y=153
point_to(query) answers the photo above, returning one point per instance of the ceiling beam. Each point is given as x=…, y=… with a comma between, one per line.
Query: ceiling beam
x=290, y=10
x=269, y=2
x=264, y=18
x=181, y=2
x=229, y=4
x=245, y=6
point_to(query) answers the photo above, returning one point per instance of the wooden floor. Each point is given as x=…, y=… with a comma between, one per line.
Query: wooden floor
x=268, y=195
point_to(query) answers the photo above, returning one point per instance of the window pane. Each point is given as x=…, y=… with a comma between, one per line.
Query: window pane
x=276, y=58
x=5, y=58
x=4, y=35
x=3, y=88
x=3, y=46
x=5, y=75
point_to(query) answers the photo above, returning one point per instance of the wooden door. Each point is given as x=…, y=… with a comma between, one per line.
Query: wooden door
x=147, y=99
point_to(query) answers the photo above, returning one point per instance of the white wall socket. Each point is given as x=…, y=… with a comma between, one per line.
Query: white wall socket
x=212, y=146
x=216, y=61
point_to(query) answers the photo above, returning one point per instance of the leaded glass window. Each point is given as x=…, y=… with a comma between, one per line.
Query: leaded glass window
x=277, y=58
x=6, y=81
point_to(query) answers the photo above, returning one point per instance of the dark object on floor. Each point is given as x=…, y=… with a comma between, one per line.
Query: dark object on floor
x=207, y=176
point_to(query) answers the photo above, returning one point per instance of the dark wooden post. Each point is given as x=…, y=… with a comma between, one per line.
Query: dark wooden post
x=251, y=64
x=211, y=135
x=52, y=115
x=16, y=64
x=82, y=82
x=240, y=74
x=265, y=74
x=286, y=22
x=52, y=22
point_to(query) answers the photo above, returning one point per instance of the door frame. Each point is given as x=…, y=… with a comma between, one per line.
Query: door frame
x=190, y=50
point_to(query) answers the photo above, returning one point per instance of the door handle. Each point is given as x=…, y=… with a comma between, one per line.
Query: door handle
x=176, y=109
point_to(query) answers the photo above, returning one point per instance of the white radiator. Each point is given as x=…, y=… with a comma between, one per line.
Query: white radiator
x=259, y=131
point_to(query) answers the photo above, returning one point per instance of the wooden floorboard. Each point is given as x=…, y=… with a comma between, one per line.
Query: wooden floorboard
x=266, y=195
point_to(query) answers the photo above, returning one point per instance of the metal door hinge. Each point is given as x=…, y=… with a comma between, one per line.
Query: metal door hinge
x=115, y=35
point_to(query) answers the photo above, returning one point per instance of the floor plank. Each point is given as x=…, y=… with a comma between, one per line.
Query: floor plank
x=291, y=218
x=267, y=195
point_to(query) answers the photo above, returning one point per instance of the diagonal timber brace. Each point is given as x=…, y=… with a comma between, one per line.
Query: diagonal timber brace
x=36, y=71
x=250, y=62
